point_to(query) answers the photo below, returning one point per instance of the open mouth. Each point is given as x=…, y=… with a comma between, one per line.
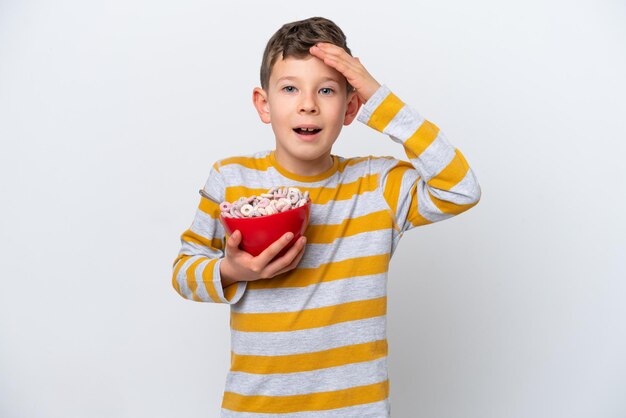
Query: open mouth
x=302, y=131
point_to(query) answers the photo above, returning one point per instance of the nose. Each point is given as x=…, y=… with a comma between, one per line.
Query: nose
x=308, y=104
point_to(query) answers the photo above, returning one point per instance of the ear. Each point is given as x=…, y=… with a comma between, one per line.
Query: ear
x=354, y=104
x=259, y=99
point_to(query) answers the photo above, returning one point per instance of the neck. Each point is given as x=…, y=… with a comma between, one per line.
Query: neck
x=304, y=167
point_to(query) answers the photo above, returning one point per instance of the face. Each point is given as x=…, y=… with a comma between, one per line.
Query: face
x=305, y=93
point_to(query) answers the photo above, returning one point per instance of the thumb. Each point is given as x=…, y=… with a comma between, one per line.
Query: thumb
x=234, y=240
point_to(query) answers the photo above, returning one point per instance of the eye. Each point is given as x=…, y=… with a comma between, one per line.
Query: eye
x=328, y=89
x=288, y=87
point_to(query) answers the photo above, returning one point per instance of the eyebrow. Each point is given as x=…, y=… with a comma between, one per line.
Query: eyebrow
x=296, y=78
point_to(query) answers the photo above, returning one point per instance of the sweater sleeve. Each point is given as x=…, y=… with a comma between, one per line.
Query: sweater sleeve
x=437, y=182
x=196, y=270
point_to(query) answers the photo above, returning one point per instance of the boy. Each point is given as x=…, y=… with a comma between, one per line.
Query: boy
x=308, y=330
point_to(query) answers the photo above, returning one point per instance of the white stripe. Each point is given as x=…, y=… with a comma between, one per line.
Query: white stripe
x=465, y=192
x=379, y=409
x=181, y=277
x=364, y=244
x=201, y=290
x=294, y=299
x=409, y=178
x=335, y=211
x=426, y=207
x=204, y=225
x=214, y=184
x=193, y=248
x=435, y=158
x=237, y=174
x=217, y=282
x=372, y=103
x=299, y=383
x=270, y=178
x=403, y=124
x=309, y=340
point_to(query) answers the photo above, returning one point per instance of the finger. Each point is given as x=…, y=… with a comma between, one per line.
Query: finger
x=323, y=53
x=270, y=252
x=341, y=66
x=294, y=262
x=232, y=244
x=335, y=51
x=289, y=260
x=331, y=48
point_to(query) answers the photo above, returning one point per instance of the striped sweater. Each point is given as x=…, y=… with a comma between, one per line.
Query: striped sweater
x=311, y=342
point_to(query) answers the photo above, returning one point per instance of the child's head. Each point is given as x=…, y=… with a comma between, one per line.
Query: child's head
x=298, y=90
x=296, y=38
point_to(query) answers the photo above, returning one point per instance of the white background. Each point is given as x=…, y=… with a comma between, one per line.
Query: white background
x=112, y=112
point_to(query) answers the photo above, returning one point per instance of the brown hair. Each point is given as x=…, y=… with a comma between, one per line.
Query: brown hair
x=294, y=40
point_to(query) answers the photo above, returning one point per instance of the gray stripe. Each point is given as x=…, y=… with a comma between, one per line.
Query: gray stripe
x=241, y=286
x=238, y=174
x=309, y=340
x=181, y=277
x=372, y=103
x=435, y=158
x=403, y=124
x=293, y=299
x=298, y=383
x=426, y=207
x=204, y=225
x=335, y=211
x=379, y=409
x=193, y=248
x=201, y=291
x=465, y=192
x=360, y=245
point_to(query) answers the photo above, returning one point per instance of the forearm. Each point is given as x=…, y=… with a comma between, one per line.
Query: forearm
x=440, y=180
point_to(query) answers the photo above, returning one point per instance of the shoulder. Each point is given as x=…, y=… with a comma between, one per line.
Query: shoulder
x=370, y=164
x=232, y=170
x=256, y=160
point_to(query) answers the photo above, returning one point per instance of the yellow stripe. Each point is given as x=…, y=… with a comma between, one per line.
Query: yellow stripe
x=454, y=172
x=355, y=160
x=308, y=318
x=179, y=257
x=413, y=215
x=301, y=277
x=385, y=112
x=192, y=237
x=319, y=195
x=191, y=278
x=350, y=162
x=393, y=183
x=261, y=164
x=180, y=260
x=207, y=279
x=305, y=362
x=328, y=233
x=312, y=402
x=421, y=139
x=230, y=290
x=450, y=207
x=209, y=207
x=264, y=163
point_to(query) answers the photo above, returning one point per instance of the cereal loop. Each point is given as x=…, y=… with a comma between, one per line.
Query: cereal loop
x=275, y=200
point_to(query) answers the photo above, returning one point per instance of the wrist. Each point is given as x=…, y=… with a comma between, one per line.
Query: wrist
x=369, y=91
x=226, y=276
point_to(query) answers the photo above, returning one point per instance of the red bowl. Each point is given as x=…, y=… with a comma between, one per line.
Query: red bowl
x=260, y=232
